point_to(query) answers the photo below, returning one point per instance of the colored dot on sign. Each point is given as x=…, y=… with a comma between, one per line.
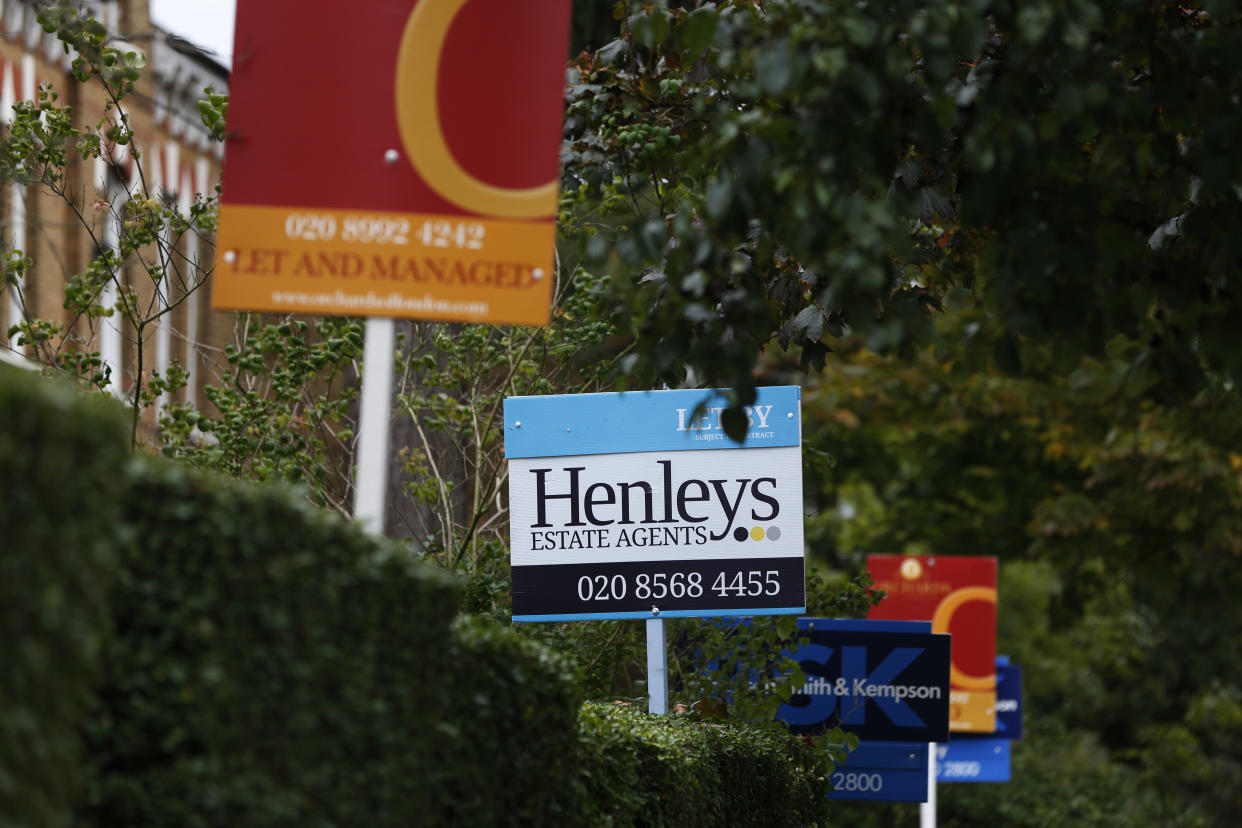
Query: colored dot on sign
x=756, y=533
x=740, y=534
x=774, y=533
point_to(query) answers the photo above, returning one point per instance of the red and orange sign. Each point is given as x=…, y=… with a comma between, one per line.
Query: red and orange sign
x=394, y=158
x=958, y=595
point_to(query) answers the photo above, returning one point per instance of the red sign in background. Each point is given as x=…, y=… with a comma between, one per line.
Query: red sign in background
x=958, y=595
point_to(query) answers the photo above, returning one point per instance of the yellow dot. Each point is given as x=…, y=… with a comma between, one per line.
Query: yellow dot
x=756, y=533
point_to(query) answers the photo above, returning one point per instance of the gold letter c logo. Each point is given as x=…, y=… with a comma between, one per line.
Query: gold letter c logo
x=940, y=623
x=418, y=121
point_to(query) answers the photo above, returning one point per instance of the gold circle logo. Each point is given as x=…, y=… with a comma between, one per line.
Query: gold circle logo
x=943, y=617
x=911, y=569
x=418, y=121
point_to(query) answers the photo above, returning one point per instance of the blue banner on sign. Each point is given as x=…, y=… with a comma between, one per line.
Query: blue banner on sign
x=880, y=680
x=570, y=424
x=973, y=759
x=1008, y=700
x=883, y=772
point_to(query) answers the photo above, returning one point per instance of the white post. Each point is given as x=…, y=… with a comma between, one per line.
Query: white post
x=17, y=203
x=17, y=218
x=163, y=327
x=657, y=668
x=184, y=205
x=371, y=475
x=927, y=810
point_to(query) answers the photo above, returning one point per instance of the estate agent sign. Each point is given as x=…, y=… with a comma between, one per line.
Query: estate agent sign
x=396, y=158
x=638, y=505
x=958, y=595
x=880, y=680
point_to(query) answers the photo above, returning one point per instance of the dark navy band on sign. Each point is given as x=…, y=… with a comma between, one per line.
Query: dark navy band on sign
x=613, y=616
x=864, y=625
x=572, y=424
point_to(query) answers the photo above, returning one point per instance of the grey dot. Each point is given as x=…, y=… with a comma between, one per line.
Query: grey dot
x=774, y=533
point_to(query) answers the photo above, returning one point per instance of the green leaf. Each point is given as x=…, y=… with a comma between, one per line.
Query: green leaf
x=697, y=31
x=774, y=69
x=735, y=423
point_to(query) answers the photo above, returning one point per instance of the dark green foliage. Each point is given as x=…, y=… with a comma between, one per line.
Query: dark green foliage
x=1115, y=516
x=271, y=664
x=282, y=407
x=1060, y=778
x=60, y=454
x=794, y=170
x=741, y=666
x=508, y=746
x=648, y=770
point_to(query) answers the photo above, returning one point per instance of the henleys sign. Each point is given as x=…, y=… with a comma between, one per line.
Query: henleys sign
x=618, y=510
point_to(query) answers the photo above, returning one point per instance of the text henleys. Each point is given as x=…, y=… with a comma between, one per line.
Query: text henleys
x=692, y=501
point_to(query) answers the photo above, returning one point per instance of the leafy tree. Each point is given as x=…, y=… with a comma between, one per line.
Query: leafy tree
x=795, y=170
x=1115, y=518
x=283, y=407
x=46, y=148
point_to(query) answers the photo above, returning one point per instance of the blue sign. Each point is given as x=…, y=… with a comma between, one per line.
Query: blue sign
x=883, y=772
x=623, y=506
x=880, y=680
x=1008, y=699
x=973, y=759
x=682, y=420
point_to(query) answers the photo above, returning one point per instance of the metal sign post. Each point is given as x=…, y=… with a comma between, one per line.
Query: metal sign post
x=371, y=480
x=657, y=667
x=927, y=810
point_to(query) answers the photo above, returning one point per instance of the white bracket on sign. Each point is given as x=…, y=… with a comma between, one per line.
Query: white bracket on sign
x=657, y=666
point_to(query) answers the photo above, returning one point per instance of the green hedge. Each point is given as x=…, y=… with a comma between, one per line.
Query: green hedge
x=271, y=664
x=510, y=756
x=640, y=769
x=186, y=650
x=60, y=455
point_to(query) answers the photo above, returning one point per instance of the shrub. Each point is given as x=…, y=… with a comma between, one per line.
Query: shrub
x=60, y=453
x=510, y=739
x=271, y=664
x=640, y=769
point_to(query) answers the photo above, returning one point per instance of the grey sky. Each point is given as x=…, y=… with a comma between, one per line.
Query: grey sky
x=205, y=23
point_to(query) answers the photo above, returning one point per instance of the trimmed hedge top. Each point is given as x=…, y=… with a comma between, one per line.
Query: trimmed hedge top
x=270, y=663
x=641, y=769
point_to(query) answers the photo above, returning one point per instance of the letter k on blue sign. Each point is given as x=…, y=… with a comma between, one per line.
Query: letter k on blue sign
x=884, y=678
x=876, y=679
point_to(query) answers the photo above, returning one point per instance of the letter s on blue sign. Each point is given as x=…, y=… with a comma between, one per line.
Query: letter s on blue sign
x=821, y=707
